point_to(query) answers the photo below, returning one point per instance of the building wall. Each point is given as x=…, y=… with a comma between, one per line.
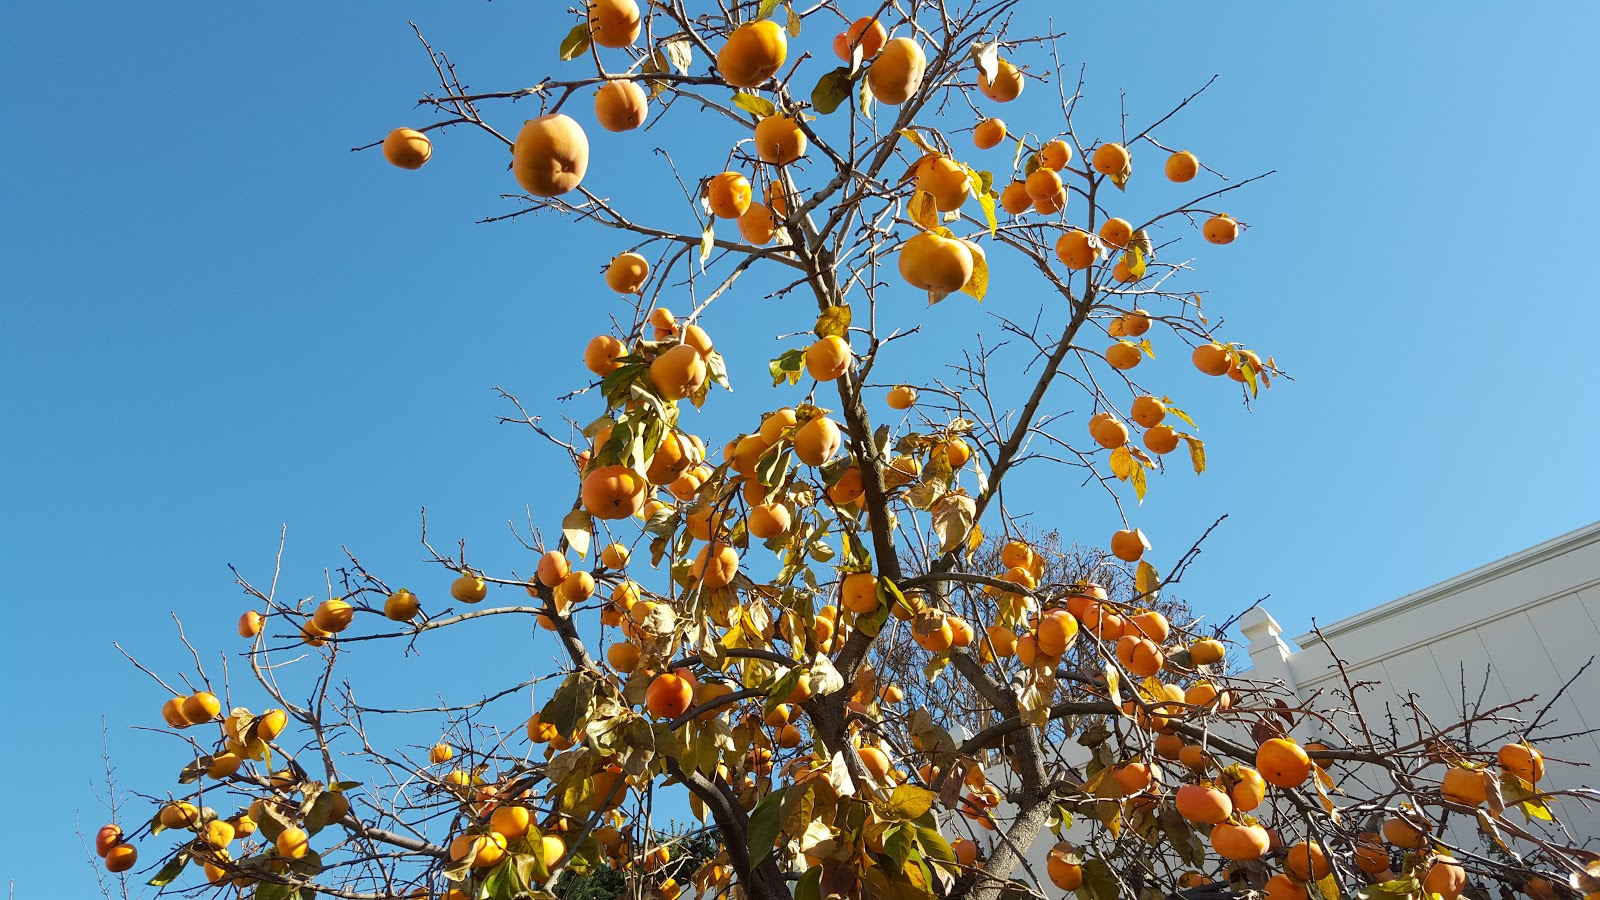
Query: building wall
x=1519, y=627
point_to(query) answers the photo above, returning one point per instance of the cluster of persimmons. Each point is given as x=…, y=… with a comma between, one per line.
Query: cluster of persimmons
x=720, y=671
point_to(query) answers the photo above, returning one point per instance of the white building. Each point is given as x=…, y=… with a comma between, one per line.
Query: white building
x=1526, y=623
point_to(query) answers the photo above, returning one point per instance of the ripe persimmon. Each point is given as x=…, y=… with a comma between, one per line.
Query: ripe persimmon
x=753, y=53
x=1110, y=159
x=551, y=155
x=678, y=372
x=828, y=358
x=1005, y=86
x=1182, y=166
x=621, y=106
x=989, y=133
x=897, y=72
x=668, y=696
x=613, y=492
x=779, y=140
x=407, y=148
x=1282, y=762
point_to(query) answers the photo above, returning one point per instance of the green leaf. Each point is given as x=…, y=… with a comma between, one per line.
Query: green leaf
x=570, y=701
x=807, y=887
x=909, y=801
x=1099, y=883
x=789, y=366
x=768, y=7
x=897, y=843
x=773, y=466
x=765, y=821
x=778, y=694
x=832, y=90
x=170, y=871
x=576, y=43
x=933, y=844
x=834, y=322
x=750, y=103
x=1167, y=402
x=794, y=20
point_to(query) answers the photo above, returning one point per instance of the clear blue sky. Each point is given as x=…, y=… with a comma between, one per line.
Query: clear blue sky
x=218, y=320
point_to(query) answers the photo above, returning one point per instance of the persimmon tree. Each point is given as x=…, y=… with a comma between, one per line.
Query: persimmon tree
x=826, y=637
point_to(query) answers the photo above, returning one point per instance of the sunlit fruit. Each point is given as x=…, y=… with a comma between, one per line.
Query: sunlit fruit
x=614, y=23
x=817, y=441
x=897, y=72
x=828, y=358
x=621, y=105
x=1110, y=159
x=1202, y=803
x=1445, y=877
x=1061, y=868
x=1306, y=861
x=1124, y=355
x=757, y=225
x=669, y=696
x=1014, y=199
x=293, y=843
x=553, y=568
x=1161, y=439
x=902, y=396
x=613, y=492
x=1055, y=154
x=407, y=148
x=121, y=858
x=626, y=274
x=1182, y=166
x=250, y=624
x=614, y=556
x=866, y=32
x=1075, y=250
x=1465, y=786
x=1522, y=761
x=469, y=588
x=753, y=53
x=1240, y=842
x=728, y=195
x=333, y=615
x=859, y=592
x=1283, y=887
x=1116, y=233
x=779, y=140
x=1129, y=544
x=401, y=606
x=678, y=372
x=714, y=566
x=1005, y=86
x=989, y=133
x=935, y=263
x=201, y=706
x=1043, y=183
x=1212, y=359
x=550, y=156
x=1220, y=229
x=946, y=180
x=1207, y=651
x=1283, y=762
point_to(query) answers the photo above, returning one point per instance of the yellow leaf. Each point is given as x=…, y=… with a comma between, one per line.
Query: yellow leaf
x=834, y=322
x=1139, y=484
x=1167, y=402
x=794, y=21
x=1329, y=887
x=978, y=284
x=915, y=139
x=1122, y=464
x=708, y=239
x=1146, y=579
x=1121, y=178
x=1197, y=453
x=923, y=211
x=1135, y=261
